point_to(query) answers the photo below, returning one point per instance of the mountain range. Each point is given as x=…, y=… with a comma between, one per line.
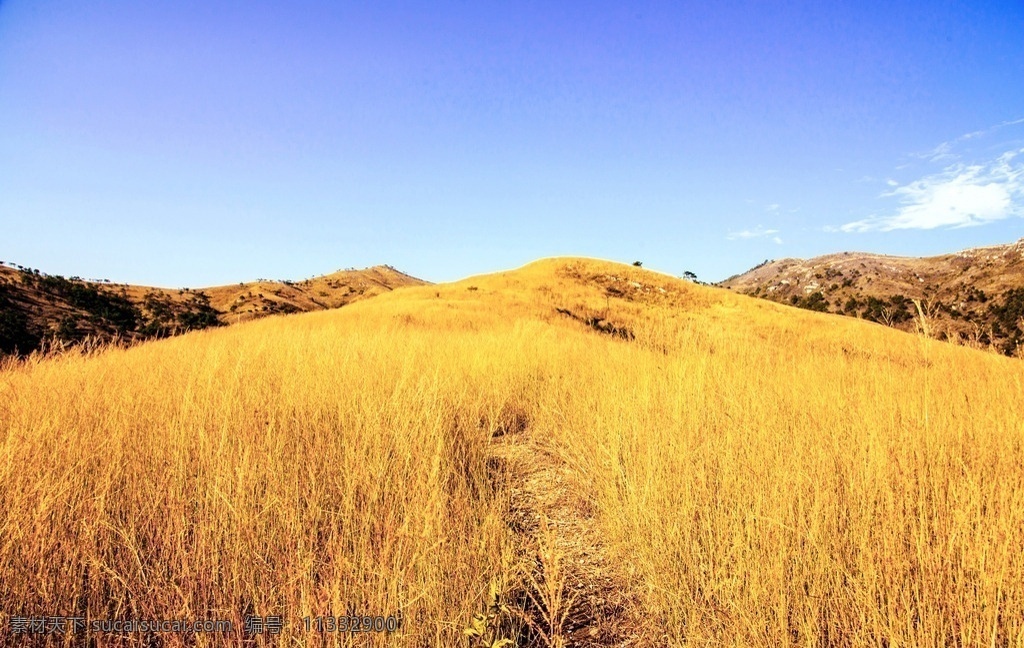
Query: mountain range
x=974, y=297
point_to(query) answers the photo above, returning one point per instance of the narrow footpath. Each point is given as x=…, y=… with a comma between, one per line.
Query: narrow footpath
x=575, y=596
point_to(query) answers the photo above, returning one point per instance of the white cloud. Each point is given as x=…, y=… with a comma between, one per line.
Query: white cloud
x=946, y=151
x=940, y=153
x=777, y=240
x=757, y=232
x=959, y=196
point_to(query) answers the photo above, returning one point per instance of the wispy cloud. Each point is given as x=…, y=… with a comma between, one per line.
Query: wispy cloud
x=958, y=196
x=746, y=234
x=946, y=151
x=941, y=153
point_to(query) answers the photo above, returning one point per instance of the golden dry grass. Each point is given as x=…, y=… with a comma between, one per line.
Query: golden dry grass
x=765, y=476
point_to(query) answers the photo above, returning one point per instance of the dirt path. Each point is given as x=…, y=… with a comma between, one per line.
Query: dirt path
x=576, y=596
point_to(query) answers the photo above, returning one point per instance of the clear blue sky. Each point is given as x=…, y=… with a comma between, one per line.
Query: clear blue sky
x=196, y=143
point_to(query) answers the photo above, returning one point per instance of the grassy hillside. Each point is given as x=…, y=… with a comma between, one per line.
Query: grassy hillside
x=974, y=297
x=38, y=310
x=744, y=472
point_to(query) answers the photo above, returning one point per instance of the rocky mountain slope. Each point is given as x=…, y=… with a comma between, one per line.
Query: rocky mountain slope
x=974, y=297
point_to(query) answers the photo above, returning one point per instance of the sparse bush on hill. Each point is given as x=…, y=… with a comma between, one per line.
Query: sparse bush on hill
x=895, y=310
x=198, y=314
x=67, y=330
x=1009, y=320
x=815, y=301
x=16, y=334
x=167, y=317
x=106, y=308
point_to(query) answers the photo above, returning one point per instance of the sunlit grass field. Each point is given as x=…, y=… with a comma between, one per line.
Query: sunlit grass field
x=764, y=476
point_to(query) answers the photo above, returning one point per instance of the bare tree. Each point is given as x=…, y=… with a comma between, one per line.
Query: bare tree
x=923, y=319
x=888, y=315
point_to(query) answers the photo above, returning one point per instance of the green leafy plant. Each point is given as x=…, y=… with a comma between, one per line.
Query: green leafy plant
x=484, y=631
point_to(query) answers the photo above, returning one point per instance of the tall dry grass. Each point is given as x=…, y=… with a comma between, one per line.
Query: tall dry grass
x=767, y=476
x=806, y=481
x=293, y=467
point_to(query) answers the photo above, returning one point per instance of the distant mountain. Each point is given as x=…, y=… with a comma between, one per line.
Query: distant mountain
x=37, y=309
x=974, y=297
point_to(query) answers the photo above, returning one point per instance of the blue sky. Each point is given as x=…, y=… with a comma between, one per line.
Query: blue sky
x=189, y=144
